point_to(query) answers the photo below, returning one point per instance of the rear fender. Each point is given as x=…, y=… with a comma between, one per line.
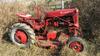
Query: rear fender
x=23, y=16
x=26, y=18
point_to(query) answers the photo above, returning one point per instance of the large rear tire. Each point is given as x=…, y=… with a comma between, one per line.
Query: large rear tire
x=21, y=34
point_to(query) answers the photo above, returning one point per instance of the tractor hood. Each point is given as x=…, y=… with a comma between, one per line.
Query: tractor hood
x=62, y=12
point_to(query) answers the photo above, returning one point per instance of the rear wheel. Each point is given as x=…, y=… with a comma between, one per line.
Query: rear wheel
x=21, y=34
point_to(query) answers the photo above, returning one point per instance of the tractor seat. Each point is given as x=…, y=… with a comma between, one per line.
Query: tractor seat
x=23, y=15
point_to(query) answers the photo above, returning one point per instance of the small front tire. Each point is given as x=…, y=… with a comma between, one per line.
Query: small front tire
x=78, y=44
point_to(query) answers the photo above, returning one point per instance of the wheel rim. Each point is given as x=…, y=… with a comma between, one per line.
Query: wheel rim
x=20, y=37
x=77, y=46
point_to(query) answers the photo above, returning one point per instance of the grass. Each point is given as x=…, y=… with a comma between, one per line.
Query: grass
x=8, y=17
x=7, y=49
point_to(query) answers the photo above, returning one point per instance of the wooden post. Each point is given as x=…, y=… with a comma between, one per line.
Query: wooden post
x=62, y=4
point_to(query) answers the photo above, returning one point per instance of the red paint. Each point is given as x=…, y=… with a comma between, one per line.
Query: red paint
x=23, y=15
x=76, y=46
x=56, y=24
x=21, y=36
x=76, y=18
x=59, y=13
x=51, y=35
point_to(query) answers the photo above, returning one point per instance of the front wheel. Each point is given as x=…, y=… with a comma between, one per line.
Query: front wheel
x=78, y=44
x=20, y=34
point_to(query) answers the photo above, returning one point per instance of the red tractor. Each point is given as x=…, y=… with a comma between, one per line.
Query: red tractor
x=46, y=32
